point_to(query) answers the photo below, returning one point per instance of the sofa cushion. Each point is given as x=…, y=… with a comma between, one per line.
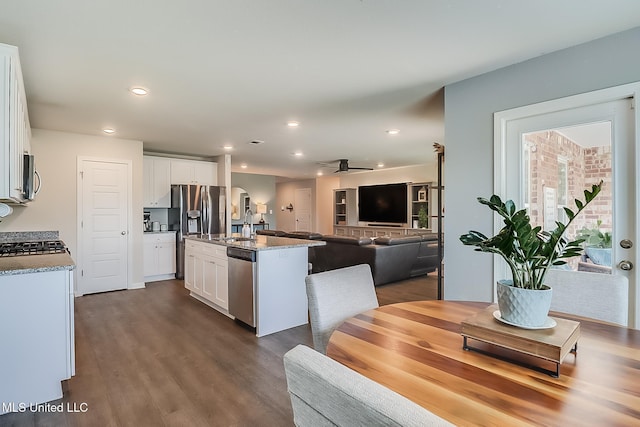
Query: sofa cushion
x=307, y=235
x=276, y=233
x=389, y=241
x=348, y=240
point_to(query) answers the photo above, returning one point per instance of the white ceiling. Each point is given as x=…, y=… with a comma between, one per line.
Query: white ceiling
x=229, y=72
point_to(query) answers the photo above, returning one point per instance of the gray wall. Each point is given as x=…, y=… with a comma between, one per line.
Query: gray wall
x=469, y=108
x=261, y=189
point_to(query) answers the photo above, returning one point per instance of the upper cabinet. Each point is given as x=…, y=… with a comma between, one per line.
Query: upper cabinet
x=194, y=172
x=15, y=131
x=157, y=182
x=161, y=172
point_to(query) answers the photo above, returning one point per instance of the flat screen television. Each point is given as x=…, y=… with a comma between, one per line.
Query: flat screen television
x=385, y=203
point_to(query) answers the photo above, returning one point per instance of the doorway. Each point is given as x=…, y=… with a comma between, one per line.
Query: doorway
x=548, y=153
x=302, y=201
x=104, y=191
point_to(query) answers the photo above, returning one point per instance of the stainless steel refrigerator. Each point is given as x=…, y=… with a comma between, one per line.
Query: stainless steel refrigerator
x=195, y=209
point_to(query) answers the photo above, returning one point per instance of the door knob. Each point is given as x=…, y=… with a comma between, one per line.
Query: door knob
x=123, y=233
x=625, y=265
x=626, y=244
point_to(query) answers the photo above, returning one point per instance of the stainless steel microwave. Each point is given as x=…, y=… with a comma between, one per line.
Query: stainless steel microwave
x=29, y=178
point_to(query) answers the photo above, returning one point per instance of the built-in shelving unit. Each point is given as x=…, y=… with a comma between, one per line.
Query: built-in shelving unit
x=344, y=207
x=419, y=199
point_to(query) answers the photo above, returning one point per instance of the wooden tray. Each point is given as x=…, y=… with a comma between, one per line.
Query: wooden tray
x=551, y=344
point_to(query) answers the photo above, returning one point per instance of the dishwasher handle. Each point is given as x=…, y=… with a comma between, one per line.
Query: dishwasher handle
x=243, y=254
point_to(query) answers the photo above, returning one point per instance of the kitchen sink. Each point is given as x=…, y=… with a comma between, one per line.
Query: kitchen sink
x=235, y=239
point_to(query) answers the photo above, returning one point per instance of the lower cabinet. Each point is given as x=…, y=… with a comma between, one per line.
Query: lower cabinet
x=206, y=272
x=159, y=256
x=38, y=344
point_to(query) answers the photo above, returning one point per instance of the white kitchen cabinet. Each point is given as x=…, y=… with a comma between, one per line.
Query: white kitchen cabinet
x=190, y=268
x=159, y=256
x=36, y=310
x=206, y=272
x=215, y=283
x=193, y=172
x=157, y=182
x=15, y=130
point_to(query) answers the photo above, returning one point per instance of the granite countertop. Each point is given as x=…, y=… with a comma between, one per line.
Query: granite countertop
x=257, y=243
x=35, y=263
x=27, y=236
x=24, y=264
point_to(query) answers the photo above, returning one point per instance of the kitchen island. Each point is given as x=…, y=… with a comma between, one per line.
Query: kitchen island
x=278, y=270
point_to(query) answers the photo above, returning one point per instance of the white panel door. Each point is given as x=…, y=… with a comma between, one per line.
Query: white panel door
x=104, y=230
x=302, y=210
x=615, y=206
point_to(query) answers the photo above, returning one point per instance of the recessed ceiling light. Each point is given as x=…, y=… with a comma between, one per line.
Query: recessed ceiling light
x=320, y=173
x=298, y=154
x=108, y=131
x=243, y=165
x=393, y=131
x=293, y=124
x=228, y=147
x=140, y=91
x=380, y=165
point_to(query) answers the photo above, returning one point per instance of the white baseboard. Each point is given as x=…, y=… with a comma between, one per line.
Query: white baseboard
x=139, y=285
x=159, y=277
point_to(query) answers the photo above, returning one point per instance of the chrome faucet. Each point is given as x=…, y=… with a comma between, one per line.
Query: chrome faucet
x=248, y=219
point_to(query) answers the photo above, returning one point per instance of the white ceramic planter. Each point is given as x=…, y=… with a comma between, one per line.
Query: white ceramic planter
x=523, y=307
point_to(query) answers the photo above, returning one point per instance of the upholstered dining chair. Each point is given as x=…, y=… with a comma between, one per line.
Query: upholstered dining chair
x=336, y=295
x=324, y=392
x=599, y=296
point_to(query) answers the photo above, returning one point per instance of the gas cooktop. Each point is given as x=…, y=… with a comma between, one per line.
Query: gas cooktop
x=42, y=247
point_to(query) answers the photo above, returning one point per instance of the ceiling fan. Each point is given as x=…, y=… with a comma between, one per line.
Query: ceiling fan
x=343, y=166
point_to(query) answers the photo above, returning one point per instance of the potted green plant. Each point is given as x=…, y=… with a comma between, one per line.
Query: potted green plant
x=597, y=244
x=423, y=218
x=529, y=252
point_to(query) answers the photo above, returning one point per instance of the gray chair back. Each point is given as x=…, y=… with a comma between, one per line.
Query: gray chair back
x=325, y=393
x=336, y=295
x=599, y=296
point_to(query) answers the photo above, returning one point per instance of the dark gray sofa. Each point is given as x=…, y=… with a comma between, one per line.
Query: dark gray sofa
x=391, y=258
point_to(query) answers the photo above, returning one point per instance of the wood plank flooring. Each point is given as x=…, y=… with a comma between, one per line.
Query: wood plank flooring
x=157, y=357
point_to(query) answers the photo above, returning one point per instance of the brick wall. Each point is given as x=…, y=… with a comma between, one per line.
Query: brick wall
x=586, y=166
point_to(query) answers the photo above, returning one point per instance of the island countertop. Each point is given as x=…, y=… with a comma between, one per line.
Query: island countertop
x=257, y=243
x=35, y=263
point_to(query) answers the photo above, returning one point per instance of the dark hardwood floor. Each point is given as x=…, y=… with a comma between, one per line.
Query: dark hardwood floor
x=157, y=357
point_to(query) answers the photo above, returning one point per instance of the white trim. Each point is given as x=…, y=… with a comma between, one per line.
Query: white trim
x=139, y=285
x=500, y=120
x=79, y=217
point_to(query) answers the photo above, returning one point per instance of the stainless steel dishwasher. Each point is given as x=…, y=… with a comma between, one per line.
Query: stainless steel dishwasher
x=242, y=275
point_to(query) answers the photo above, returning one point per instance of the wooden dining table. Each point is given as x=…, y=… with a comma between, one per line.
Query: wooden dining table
x=415, y=349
